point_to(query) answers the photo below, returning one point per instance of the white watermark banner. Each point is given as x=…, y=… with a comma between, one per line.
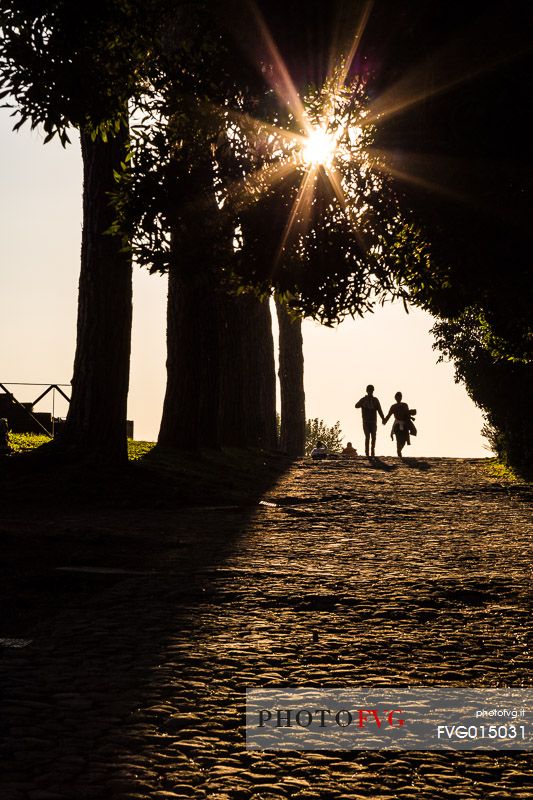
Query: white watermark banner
x=436, y=718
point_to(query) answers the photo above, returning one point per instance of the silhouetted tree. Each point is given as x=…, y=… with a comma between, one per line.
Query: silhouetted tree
x=291, y=381
x=248, y=379
x=69, y=65
x=501, y=388
x=455, y=145
x=220, y=364
x=191, y=404
x=229, y=229
x=449, y=88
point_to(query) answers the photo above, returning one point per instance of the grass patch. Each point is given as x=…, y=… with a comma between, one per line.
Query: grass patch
x=501, y=472
x=23, y=442
x=138, y=450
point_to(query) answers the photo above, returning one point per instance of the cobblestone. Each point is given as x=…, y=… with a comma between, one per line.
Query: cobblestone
x=412, y=573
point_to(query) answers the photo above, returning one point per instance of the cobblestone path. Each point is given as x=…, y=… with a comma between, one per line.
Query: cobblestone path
x=412, y=573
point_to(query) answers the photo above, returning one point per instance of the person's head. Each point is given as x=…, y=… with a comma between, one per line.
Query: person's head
x=319, y=444
x=349, y=445
x=370, y=389
x=398, y=397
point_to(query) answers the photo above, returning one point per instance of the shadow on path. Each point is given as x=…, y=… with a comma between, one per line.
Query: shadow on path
x=377, y=463
x=137, y=692
x=415, y=463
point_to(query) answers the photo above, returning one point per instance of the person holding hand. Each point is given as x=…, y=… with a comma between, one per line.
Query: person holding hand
x=370, y=408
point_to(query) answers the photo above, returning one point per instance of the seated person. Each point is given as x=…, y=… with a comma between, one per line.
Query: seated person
x=349, y=451
x=319, y=451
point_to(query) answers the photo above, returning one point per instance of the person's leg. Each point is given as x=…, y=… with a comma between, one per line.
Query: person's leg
x=373, y=435
x=400, y=442
x=366, y=431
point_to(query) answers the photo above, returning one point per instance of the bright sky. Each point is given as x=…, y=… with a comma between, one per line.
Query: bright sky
x=40, y=234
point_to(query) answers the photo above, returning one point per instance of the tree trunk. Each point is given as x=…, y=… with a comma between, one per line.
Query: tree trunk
x=96, y=421
x=221, y=384
x=262, y=377
x=180, y=422
x=234, y=404
x=248, y=376
x=291, y=378
x=190, y=408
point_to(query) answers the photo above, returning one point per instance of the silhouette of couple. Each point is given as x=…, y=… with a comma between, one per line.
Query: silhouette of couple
x=402, y=427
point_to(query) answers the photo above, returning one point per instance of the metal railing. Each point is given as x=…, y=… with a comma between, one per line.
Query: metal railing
x=50, y=387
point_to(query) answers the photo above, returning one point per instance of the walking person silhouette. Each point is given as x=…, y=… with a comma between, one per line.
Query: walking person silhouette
x=403, y=423
x=370, y=408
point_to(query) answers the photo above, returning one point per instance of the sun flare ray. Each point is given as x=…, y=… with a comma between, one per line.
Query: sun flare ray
x=302, y=201
x=259, y=126
x=324, y=139
x=381, y=160
x=413, y=89
x=254, y=183
x=280, y=79
x=350, y=55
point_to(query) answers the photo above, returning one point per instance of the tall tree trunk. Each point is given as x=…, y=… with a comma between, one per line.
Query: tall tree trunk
x=291, y=378
x=96, y=421
x=233, y=407
x=262, y=431
x=248, y=377
x=180, y=422
x=221, y=384
x=190, y=408
x=210, y=376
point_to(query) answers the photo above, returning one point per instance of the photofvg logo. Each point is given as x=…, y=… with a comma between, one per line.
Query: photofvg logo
x=304, y=717
x=389, y=719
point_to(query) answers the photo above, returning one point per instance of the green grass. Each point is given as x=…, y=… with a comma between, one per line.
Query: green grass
x=23, y=442
x=501, y=472
x=138, y=450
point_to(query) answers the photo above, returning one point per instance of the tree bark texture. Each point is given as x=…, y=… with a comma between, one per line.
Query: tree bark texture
x=291, y=379
x=96, y=421
x=190, y=409
x=248, y=377
x=221, y=381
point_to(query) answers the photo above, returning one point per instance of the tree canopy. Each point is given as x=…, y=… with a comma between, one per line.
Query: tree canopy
x=331, y=159
x=449, y=95
x=65, y=64
x=328, y=237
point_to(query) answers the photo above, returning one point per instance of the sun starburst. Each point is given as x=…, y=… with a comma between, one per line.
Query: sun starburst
x=326, y=137
x=319, y=148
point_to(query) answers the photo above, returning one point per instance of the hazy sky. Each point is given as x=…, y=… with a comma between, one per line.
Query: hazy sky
x=40, y=233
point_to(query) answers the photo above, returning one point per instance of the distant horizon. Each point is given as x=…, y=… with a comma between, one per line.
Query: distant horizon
x=40, y=246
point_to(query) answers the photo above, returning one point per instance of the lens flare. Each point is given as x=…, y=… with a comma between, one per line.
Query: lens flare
x=319, y=148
